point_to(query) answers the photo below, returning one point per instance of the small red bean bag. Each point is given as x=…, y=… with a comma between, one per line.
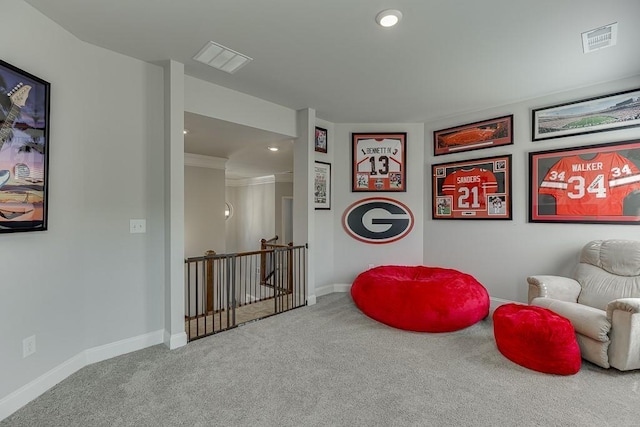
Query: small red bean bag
x=536, y=338
x=422, y=299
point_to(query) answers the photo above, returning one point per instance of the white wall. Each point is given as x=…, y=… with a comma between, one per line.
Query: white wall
x=210, y=100
x=501, y=254
x=282, y=189
x=253, y=214
x=204, y=223
x=86, y=281
x=351, y=256
x=322, y=254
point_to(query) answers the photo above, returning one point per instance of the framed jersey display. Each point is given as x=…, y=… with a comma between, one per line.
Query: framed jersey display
x=378, y=162
x=590, y=184
x=472, y=189
x=474, y=136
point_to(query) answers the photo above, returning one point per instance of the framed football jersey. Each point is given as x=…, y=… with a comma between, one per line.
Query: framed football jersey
x=379, y=162
x=589, y=184
x=472, y=189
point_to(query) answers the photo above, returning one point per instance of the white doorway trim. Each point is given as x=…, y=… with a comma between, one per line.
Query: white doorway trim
x=287, y=219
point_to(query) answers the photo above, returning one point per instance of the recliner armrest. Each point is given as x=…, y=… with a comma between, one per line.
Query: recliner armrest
x=556, y=287
x=632, y=305
x=624, y=351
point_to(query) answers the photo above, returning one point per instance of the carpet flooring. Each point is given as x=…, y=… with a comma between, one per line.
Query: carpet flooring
x=330, y=365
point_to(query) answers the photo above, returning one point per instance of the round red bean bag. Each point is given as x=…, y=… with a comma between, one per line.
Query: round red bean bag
x=536, y=338
x=422, y=299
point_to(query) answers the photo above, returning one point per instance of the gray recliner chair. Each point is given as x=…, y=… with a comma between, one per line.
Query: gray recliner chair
x=602, y=301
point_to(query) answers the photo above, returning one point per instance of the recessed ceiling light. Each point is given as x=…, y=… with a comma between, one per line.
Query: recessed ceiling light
x=388, y=18
x=273, y=148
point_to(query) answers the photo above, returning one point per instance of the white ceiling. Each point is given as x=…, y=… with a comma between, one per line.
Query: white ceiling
x=445, y=58
x=245, y=148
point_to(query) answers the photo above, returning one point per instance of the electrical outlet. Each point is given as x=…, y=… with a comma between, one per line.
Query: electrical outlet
x=137, y=226
x=28, y=346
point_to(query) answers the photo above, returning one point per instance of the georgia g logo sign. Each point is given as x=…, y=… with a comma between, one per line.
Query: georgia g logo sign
x=377, y=220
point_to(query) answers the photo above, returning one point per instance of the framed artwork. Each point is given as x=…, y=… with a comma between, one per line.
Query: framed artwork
x=321, y=140
x=474, y=136
x=24, y=150
x=589, y=184
x=378, y=162
x=472, y=189
x=610, y=112
x=322, y=186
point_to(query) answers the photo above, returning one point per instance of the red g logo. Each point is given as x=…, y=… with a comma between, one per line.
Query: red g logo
x=377, y=220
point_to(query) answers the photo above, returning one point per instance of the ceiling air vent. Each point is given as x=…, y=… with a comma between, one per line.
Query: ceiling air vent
x=600, y=38
x=222, y=58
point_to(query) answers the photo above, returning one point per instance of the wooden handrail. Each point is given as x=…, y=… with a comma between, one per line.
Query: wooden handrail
x=267, y=241
x=265, y=248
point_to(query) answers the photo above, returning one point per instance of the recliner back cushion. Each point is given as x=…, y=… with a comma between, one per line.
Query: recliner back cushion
x=600, y=287
x=608, y=270
x=621, y=257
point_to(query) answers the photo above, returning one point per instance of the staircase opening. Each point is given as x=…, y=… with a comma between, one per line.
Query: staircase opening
x=223, y=291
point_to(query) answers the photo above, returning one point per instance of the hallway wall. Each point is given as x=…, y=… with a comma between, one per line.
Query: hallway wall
x=86, y=281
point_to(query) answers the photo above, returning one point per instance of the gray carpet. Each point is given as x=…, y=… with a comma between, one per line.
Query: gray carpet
x=329, y=364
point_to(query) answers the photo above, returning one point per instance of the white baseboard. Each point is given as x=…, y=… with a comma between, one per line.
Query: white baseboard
x=25, y=394
x=329, y=289
x=176, y=340
x=107, y=351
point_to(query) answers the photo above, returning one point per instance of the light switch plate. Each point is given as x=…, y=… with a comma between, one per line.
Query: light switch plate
x=137, y=226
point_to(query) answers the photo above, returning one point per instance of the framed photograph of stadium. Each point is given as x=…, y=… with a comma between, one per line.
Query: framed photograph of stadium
x=474, y=136
x=603, y=113
x=322, y=186
x=24, y=150
x=378, y=162
x=589, y=184
x=321, y=140
x=472, y=189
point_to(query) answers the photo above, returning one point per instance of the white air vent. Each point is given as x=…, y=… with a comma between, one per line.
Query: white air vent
x=600, y=38
x=222, y=58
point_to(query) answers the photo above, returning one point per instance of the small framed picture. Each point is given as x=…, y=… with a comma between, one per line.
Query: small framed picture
x=472, y=189
x=379, y=161
x=588, y=184
x=321, y=140
x=322, y=186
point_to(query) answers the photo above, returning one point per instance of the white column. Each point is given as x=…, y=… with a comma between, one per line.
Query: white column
x=303, y=212
x=174, y=333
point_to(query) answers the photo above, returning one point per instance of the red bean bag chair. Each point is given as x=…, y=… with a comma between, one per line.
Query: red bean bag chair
x=422, y=299
x=536, y=338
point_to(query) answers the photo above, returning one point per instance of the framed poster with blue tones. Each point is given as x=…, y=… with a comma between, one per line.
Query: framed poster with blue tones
x=24, y=150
